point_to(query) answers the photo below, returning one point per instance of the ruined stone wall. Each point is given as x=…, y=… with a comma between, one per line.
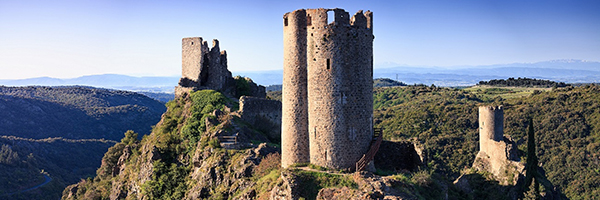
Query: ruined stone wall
x=262, y=114
x=330, y=65
x=193, y=56
x=294, y=134
x=340, y=85
x=206, y=68
x=497, y=153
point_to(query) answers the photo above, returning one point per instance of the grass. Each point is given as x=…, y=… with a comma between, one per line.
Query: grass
x=504, y=92
x=313, y=181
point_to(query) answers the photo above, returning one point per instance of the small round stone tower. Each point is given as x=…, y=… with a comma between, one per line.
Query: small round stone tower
x=294, y=124
x=327, y=87
x=491, y=125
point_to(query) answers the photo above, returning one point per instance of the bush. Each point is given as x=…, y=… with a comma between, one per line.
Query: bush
x=269, y=163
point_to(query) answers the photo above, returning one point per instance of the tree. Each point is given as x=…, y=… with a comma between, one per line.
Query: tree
x=130, y=137
x=532, y=162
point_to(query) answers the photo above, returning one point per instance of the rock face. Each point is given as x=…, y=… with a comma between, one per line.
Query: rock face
x=206, y=68
x=369, y=187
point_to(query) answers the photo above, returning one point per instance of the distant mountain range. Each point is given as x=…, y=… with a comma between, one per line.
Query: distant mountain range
x=569, y=71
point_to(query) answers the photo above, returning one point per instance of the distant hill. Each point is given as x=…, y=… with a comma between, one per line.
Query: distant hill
x=75, y=112
x=113, y=81
x=63, y=131
x=568, y=71
x=386, y=82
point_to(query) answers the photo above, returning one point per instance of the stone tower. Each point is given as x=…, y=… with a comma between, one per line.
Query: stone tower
x=497, y=153
x=294, y=137
x=203, y=67
x=333, y=64
x=491, y=125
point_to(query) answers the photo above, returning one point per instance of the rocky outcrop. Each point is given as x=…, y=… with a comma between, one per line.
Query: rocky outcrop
x=503, y=162
x=288, y=188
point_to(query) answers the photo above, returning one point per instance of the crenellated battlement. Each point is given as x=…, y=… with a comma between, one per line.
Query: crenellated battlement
x=319, y=18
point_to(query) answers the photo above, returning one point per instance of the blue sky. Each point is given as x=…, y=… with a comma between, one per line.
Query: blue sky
x=143, y=38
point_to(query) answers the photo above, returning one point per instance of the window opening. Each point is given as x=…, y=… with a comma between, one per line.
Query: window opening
x=308, y=20
x=328, y=64
x=285, y=22
x=330, y=16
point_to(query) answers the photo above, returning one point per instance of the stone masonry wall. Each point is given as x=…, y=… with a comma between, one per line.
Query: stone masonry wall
x=339, y=62
x=497, y=153
x=206, y=68
x=491, y=125
x=340, y=85
x=262, y=114
x=193, y=55
x=294, y=134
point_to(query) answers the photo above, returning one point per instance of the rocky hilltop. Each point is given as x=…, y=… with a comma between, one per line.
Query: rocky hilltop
x=190, y=155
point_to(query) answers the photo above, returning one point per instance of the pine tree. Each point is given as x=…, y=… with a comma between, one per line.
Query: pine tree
x=532, y=162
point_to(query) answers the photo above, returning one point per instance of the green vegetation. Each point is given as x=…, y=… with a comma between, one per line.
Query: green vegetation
x=75, y=112
x=532, y=161
x=275, y=95
x=171, y=152
x=445, y=121
x=522, y=82
x=386, y=82
x=65, y=161
x=313, y=181
x=242, y=86
x=489, y=93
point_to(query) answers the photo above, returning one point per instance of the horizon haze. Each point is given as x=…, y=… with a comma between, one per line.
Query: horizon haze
x=68, y=39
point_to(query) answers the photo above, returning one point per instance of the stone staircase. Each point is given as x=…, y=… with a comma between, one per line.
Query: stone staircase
x=228, y=141
x=375, y=143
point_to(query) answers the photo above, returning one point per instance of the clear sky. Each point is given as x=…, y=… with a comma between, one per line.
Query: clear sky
x=67, y=39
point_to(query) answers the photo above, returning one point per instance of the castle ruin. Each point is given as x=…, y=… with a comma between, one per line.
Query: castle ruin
x=497, y=153
x=327, y=87
x=206, y=68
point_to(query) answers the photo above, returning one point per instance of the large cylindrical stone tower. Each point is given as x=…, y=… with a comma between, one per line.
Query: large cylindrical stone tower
x=340, y=85
x=491, y=125
x=294, y=125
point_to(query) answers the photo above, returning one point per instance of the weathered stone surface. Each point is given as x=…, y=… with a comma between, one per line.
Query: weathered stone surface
x=206, y=68
x=288, y=188
x=327, y=87
x=497, y=153
x=263, y=114
x=369, y=187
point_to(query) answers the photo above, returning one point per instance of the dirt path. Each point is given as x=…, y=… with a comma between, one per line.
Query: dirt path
x=48, y=179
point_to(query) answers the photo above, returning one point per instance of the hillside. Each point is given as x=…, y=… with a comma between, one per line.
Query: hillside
x=566, y=122
x=63, y=132
x=65, y=161
x=183, y=158
x=75, y=112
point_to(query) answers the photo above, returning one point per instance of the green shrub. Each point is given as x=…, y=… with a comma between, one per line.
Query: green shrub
x=242, y=87
x=269, y=163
